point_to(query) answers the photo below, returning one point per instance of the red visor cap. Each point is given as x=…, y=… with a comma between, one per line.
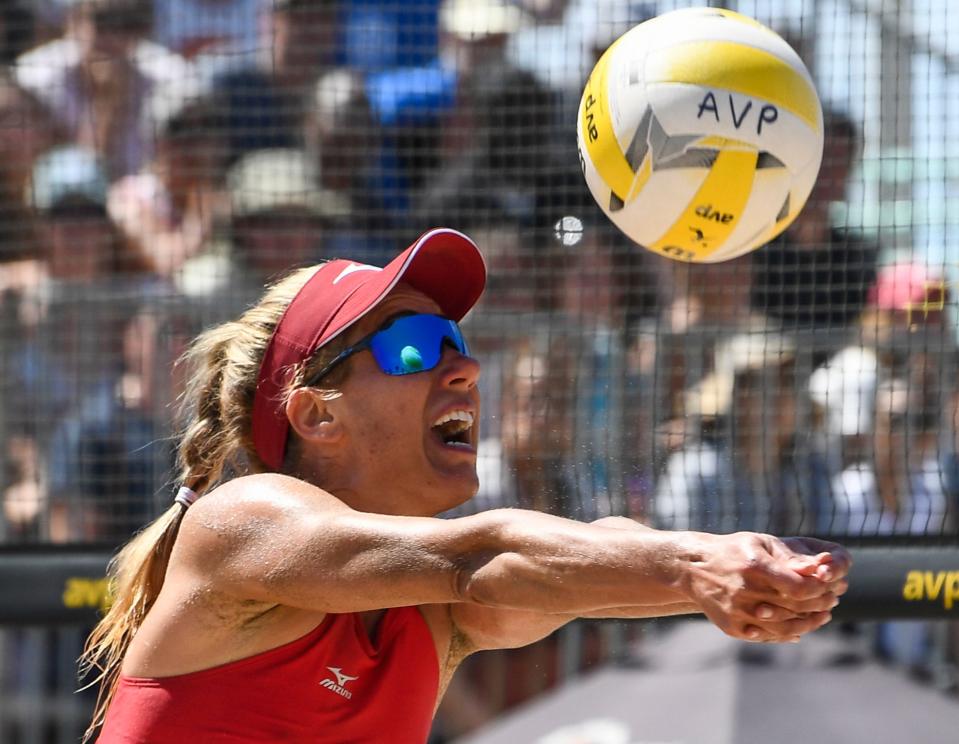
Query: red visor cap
x=443, y=264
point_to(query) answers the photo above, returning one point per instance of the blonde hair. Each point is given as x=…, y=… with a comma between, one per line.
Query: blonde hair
x=215, y=444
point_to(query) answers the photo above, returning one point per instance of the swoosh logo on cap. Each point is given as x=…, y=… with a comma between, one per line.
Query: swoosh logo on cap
x=353, y=268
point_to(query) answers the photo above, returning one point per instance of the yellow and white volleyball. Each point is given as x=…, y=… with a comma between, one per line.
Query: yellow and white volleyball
x=700, y=134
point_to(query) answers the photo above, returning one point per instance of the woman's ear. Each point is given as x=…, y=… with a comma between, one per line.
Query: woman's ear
x=311, y=416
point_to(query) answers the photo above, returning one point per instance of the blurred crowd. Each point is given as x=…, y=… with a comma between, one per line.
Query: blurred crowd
x=161, y=160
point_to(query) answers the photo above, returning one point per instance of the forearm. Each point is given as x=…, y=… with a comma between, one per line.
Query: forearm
x=541, y=572
x=555, y=565
x=326, y=556
x=640, y=612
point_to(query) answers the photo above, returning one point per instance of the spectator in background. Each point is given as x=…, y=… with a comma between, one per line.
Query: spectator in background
x=110, y=454
x=566, y=38
x=535, y=433
x=566, y=425
x=907, y=315
x=342, y=138
x=384, y=34
x=710, y=296
x=429, y=113
x=907, y=311
x=100, y=78
x=208, y=28
x=279, y=219
x=609, y=289
x=69, y=191
x=816, y=275
x=707, y=304
x=844, y=393
x=26, y=130
x=69, y=319
x=265, y=101
x=882, y=403
x=279, y=212
x=504, y=160
x=474, y=34
x=736, y=468
x=168, y=210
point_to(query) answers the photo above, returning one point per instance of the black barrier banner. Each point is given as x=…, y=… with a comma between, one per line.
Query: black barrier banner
x=59, y=587
x=70, y=587
x=902, y=582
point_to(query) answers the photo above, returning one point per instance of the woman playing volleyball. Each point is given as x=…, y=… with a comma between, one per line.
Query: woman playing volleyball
x=310, y=595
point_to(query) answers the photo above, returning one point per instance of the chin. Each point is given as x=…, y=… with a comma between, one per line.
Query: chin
x=455, y=496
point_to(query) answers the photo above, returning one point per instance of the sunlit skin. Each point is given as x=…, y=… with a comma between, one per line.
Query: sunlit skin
x=351, y=443
x=377, y=417
x=260, y=560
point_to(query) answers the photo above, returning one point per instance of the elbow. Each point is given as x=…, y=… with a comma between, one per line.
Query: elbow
x=473, y=580
x=462, y=584
x=476, y=567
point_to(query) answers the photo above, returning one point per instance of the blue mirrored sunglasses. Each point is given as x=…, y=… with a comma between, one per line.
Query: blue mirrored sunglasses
x=404, y=346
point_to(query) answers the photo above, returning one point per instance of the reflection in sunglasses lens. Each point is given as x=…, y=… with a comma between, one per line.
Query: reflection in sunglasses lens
x=411, y=358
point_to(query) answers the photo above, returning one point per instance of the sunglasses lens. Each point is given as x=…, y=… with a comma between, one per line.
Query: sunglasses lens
x=411, y=359
x=414, y=343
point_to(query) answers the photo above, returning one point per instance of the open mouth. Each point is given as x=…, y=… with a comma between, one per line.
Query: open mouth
x=453, y=429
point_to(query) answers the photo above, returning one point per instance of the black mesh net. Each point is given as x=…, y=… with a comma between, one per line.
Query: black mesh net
x=162, y=160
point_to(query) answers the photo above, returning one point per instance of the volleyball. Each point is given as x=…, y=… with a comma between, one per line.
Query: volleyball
x=700, y=134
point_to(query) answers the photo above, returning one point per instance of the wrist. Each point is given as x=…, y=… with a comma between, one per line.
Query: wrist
x=687, y=551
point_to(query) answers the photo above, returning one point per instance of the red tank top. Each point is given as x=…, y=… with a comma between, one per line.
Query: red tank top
x=331, y=685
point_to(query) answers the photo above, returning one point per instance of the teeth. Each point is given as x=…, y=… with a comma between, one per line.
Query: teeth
x=464, y=416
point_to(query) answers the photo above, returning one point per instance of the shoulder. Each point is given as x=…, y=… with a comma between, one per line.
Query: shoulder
x=263, y=494
x=250, y=509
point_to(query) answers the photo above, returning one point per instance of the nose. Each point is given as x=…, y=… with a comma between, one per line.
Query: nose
x=458, y=370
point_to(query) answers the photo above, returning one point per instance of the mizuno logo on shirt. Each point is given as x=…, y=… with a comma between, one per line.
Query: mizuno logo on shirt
x=339, y=686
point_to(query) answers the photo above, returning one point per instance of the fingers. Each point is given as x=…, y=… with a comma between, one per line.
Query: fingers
x=824, y=559
x=780, y=579
x=758, y=620
x=785, y=618
x=794, y=568
x=785, y=609
x=790, y=604
x=762, y=588
x=786, y=630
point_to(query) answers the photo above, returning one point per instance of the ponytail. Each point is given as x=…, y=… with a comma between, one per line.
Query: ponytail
x=215, y=444
x=135, y=576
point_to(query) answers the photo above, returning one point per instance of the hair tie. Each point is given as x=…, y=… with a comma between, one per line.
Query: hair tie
x=186, y=496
